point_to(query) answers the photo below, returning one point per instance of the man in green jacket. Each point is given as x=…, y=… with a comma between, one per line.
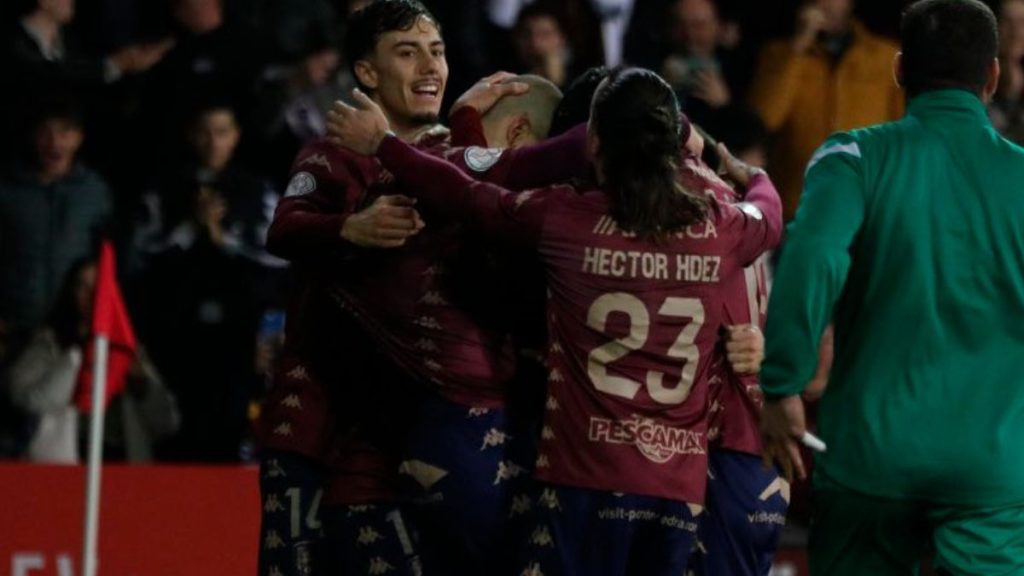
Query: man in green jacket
x=910, y=238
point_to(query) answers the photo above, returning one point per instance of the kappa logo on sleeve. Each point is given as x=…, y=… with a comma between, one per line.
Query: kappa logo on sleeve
x=482, y=159
x=523, y=198
x=317, y=160
x=301, y=184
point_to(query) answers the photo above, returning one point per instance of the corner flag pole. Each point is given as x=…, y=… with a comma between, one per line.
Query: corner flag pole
x=95, y=465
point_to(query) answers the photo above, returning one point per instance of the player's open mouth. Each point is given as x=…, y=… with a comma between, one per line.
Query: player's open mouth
x=430, y=90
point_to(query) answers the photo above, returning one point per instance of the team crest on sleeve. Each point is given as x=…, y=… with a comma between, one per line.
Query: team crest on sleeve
x=301, y=184
x=482, y=159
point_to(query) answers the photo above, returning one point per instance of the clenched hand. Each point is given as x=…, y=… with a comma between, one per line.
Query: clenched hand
x=387, y=223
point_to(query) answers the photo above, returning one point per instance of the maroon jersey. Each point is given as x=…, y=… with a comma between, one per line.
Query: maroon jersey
x=343, y=416
x=327, y=186
x=428, y=304
x=417, y=302
x=735, y=400
x=322, y=347
x=323, y=378
x=632, y=324
x=362, y=473
x=297, y=415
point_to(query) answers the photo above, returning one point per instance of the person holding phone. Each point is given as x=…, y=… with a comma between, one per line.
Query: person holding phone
x=832, y=75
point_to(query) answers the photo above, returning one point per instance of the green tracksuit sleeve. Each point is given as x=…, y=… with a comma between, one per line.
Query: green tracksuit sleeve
x=813, y=266
x=910, y=240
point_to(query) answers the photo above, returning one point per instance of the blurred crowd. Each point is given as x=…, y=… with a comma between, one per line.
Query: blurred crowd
x=169, y=127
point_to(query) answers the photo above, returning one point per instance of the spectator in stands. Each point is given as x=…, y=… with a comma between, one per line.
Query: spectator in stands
x=212, y=58
x=200, y=293
x=699, y=67
x=293, y=101
x=234, y=206
x=42, y=49
x=199, y=313
x=614, y=17
x=52, y=210
x=43, y=57
x=287, y=24
x=1007, y=108
x=44, y=377
x=832, y=75
x=541, y=44
x=144, y=414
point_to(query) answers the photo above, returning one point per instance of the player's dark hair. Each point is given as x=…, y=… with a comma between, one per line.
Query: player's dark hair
x=574, y=109
x=366, y=26
x=638, y=122
x=948, y=44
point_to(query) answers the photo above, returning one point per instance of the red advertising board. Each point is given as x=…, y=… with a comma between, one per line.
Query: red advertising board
x=154, y=520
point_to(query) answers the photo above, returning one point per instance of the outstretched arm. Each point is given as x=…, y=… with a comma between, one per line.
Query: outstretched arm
x=496, y=211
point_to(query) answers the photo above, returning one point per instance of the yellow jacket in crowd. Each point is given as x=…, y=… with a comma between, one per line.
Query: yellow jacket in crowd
x=804, y=98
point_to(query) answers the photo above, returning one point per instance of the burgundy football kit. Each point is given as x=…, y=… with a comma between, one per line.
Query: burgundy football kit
x=403, y=300
x=632, y=327
x=746, y=502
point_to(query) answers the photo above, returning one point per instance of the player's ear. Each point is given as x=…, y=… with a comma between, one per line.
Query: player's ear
x=995, y=70
x=519, y=132
x=366, y=74
x=897, y=69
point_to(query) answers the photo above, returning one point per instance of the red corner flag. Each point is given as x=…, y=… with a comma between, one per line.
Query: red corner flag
x=109, y=319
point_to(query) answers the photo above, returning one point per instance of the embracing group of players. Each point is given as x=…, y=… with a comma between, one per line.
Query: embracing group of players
x=525, y=344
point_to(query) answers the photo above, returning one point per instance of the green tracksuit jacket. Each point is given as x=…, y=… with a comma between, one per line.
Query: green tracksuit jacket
x=910, y=236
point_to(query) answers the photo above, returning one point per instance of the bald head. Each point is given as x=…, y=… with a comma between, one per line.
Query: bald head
x=520, y=120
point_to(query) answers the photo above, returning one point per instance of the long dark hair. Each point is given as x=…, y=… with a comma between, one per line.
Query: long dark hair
x=574, y=109
x=65, y=317
x=637, y=119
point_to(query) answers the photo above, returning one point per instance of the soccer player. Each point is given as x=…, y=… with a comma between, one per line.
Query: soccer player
x=634, y=263
x=909, y=238
x=457, y=461
x=429, y=308
x=745, y=502
x=329, y=363
x=299, y=436
x=398, y=55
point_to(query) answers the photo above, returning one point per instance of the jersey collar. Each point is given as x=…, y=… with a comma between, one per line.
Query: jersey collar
x=946, y=102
